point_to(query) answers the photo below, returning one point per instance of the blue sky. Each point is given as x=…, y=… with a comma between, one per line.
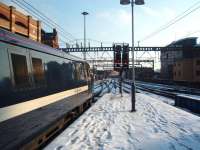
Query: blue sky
x=109, y=21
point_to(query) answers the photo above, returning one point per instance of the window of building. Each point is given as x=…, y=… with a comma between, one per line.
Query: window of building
x=167, y=55
x=198, y=62
x=38, y=70
x=2, y=16
x=198, y=72
x=20, y=70
x=21, y=24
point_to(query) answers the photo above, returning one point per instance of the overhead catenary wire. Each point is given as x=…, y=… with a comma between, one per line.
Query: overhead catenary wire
x=51, y=24
x=192, y=33
x=51, y=21
x=48, y=22
x=45, y=21
x=173, y=21
x=96, y=41
x=64, y=42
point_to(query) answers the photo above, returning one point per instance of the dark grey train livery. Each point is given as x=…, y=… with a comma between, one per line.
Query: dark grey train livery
x=29, y=70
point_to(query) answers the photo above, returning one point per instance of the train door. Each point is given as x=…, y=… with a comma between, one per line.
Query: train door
x=19, y=67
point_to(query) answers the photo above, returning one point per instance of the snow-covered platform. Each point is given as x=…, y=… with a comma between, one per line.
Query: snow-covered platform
x=110, y=125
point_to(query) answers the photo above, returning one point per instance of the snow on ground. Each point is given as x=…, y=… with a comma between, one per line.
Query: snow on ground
x=167, y=100
x=109, y=125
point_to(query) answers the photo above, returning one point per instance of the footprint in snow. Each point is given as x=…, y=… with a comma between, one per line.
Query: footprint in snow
x=61, y=147
x=74, y=140
x=74, y=132
x=84, y=120
x=109, y=136
x=155, y=130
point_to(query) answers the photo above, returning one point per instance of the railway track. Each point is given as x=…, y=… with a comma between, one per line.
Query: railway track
x=165, y=90
x=182, y=97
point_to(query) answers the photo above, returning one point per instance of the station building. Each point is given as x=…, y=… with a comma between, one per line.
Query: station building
x=169, y=59
x=187, y=70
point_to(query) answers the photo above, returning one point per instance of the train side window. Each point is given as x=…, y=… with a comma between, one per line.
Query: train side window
x=82, y=72
x=198, y=62
x=179, y=73
x=77, y=72
x=73, y=71
x=86, y=71
x=20, y=70
x=198, y=73
x=38, y=70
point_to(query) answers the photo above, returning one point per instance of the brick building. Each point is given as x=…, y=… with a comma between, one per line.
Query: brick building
x=50, y=39
x=17, y=22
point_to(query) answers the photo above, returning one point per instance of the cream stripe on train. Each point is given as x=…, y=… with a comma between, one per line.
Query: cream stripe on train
x=22, y=108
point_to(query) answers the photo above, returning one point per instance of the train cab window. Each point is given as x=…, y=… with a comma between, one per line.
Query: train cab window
x=38, y=71
x=20, y=70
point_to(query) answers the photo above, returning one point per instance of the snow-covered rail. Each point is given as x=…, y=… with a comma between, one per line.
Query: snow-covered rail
x=184, y=100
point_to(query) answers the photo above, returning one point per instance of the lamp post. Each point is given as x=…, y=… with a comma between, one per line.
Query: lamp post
x=136, y=2
x=84, y=14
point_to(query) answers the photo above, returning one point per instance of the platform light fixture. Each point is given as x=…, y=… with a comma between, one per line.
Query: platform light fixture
x=132, y=2
x=84, y=14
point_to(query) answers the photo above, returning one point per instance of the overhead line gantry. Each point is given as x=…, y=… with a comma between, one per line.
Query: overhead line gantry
x=107, y=49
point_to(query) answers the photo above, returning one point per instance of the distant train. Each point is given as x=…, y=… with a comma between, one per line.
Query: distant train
x=30, y=70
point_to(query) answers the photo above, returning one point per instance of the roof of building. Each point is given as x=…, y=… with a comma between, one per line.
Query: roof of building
x=189, y=41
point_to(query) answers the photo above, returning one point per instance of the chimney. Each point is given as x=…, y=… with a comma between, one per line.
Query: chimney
x=54, y=32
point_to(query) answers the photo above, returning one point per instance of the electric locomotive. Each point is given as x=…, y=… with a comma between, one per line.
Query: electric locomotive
x=30, y=71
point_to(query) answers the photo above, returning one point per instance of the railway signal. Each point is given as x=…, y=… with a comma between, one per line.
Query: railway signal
x=125, y=56
x=117, y=57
